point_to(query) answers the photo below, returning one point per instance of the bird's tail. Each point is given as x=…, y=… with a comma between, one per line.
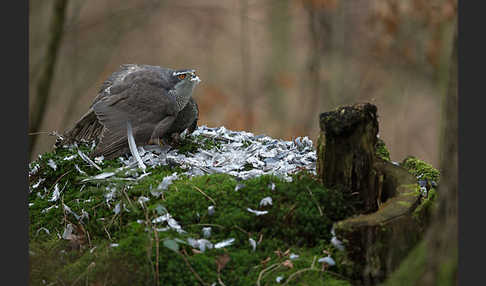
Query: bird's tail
x=88, y=128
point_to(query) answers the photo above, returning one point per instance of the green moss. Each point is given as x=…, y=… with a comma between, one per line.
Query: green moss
x=193, y=143
x=381, y=150
x=421, y=169
x=294, y=221
x=447, y=275
x=411, y=269
x=425, y=172
x=404, y=203
x=423, y=212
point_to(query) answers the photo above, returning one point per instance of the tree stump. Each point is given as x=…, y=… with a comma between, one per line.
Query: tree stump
x=348, y=155
x=388, y=224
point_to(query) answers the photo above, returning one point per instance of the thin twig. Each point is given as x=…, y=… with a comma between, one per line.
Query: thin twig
x=89, y=239
x=156, y=257
x=242, y=230
x=63, y=209
x=149, y=250
x=263, y=271
x=219, y=280
x=208, y=224
x=338, y=275
x=37, y=133
x=84, y=273
x=302, y=270
x=315, y=201
x=299, y=272
x=190, y=267
x=57, y=180
x=109, y=236
x=198, y=189
x=126, y=195
x=271, y=270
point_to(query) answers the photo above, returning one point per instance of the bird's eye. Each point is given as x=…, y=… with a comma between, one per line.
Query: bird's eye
x=182, y=76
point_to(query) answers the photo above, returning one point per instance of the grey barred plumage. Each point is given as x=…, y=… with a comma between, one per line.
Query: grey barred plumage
x=157, y=101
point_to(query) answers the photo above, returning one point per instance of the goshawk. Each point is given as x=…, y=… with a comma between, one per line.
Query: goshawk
x=156, y=101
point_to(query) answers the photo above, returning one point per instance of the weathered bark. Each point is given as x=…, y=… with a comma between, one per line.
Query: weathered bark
x=390, y=224
x=45, y=82
x=378, y=242
x=350, y=139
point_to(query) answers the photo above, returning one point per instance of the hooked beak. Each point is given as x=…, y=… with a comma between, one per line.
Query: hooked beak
x=195, y=78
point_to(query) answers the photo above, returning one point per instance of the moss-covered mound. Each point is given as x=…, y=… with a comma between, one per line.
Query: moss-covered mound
x=106, y=231
x=130, y=229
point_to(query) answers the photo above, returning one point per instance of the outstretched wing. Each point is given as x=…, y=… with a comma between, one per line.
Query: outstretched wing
x=140, y=100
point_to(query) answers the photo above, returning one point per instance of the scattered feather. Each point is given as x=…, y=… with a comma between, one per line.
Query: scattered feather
x=79, y=170
x=56, y=194
x=239, y=187
x=34, y=168
x=34, y=186
x=117, y=209
x=84, y=215
x=142, y=200
x=133, y=146
x=211, y=210
x=253, y=244
x=337, y=243
x=267, y=201
x=49, y=208
x=206, y=232
x=69, y=158
x=257, y=212
x=279, y=279
x=44, y=229
x=52, y=164
x=271, y=186
x=101, y=176
x=88, y=160
x=99, y=159
x=167, y=181
x=293, y=256
x=68, y=210
x=224, y=243
x=265, y=154
x=201, y=244
x=161, y=210
x=328, y=260
x=68, y=232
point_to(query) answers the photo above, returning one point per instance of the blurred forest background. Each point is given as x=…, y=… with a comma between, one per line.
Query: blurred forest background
x=267, y=66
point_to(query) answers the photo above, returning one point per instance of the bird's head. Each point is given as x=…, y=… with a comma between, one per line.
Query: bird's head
x=185, y=78
x=184, y=82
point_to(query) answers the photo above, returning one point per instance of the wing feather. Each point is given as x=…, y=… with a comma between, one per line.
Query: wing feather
x=142, y=103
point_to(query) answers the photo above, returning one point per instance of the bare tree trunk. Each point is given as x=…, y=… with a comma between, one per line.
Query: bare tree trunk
x=245, y=66
x=442, y=237
x=45, y=82
x=278, y=60
x=320, y=28
x=435, y=260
